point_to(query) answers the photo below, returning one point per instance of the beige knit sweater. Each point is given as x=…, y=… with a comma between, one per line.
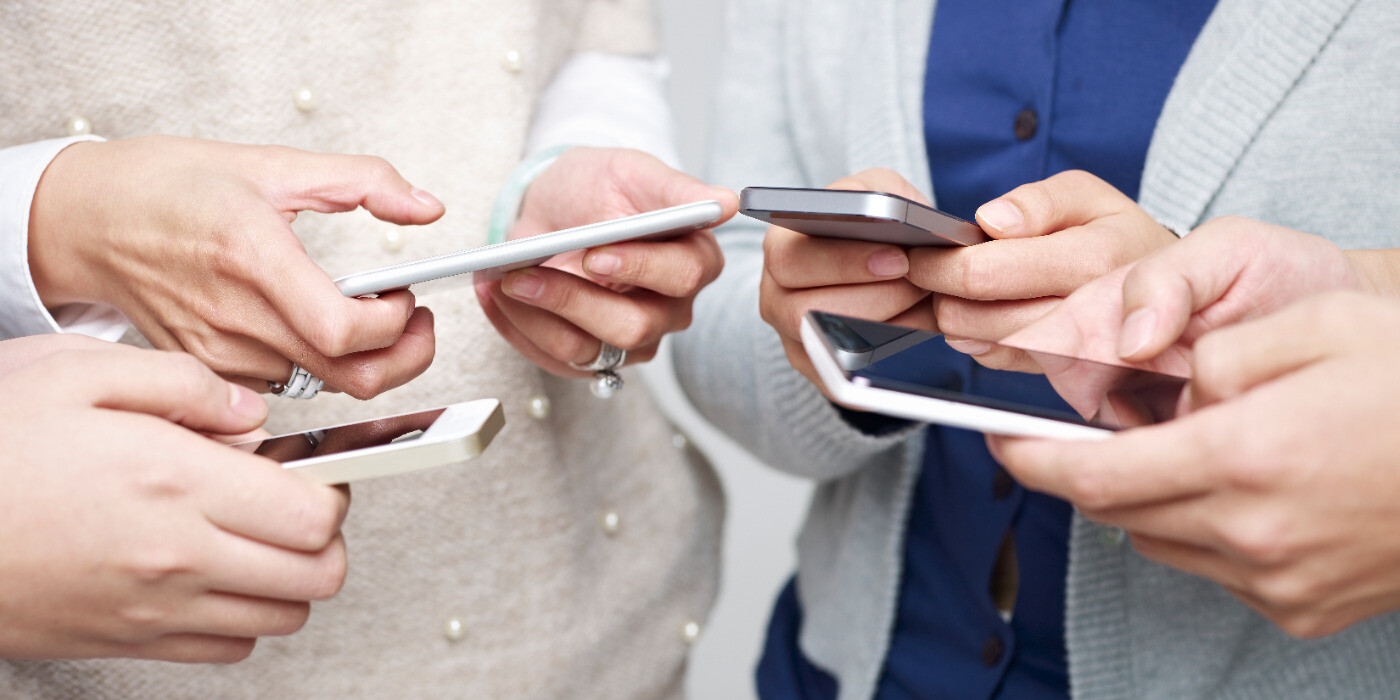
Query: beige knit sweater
x=496, y=579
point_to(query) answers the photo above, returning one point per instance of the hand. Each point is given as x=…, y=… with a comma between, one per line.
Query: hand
x=627, y=294
x=1053, y=237
x=1283, y=486
x=855, y=278
x=141, y=538
x=192, y=240
x=1149, y=313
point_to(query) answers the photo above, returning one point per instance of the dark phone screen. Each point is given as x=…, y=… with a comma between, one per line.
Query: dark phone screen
x=886, y=356
x=342, y=438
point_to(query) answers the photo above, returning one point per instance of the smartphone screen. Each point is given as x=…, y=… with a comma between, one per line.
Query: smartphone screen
x=343, y=438
x=894, y=358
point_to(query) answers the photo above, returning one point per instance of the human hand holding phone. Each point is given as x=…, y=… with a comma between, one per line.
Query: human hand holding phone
x=1150, y=313
x=1282, y=487
x=127, y=533
x=856, y=278
x=1052, y=237
x=627, y=294
x=192, y=240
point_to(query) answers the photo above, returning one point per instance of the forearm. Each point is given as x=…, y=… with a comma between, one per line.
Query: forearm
x=22, y=310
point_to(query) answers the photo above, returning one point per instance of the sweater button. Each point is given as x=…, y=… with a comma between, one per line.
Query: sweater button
x=1026, y=124
x=305, y=100
x=514, y=61
x=78, y=125
x=992, y=651
x=1112, y=536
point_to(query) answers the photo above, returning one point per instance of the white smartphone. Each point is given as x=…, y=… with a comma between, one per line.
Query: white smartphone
x=497, y=259
x=854, y=215
x=398, y=444
x=871, y=366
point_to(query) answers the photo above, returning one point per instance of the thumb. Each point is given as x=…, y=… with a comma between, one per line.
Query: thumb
x=1068, y=199
x=330, y=183
x=172, y=386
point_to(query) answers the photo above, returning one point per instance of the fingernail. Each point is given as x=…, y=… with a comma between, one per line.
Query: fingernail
x=970, y=347
x=245, y=402
x=426, y=198
x=523, y=285
x=888, y=263
x=1136, y=332
x=603, y=264
x=1000, y=215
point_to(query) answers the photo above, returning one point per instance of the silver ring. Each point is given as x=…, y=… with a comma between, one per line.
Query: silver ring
x=301, y=385
x=609, y=358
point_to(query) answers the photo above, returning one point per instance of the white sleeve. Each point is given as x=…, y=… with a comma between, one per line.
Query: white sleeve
x=21, y=311
x=610, y=100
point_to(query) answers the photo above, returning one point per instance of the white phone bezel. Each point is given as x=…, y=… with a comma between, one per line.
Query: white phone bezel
x=497, y=259
x=462, y=432
x=926, y=409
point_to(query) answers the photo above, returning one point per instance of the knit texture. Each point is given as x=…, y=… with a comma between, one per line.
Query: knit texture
x=510, y=544
x=1284, y=111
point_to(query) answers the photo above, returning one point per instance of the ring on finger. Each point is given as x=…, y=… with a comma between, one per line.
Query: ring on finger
x=606, y=380
x=301, y=385
x=609, y=358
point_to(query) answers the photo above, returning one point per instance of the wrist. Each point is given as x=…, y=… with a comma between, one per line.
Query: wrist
x=58, y=202
x=512, y=195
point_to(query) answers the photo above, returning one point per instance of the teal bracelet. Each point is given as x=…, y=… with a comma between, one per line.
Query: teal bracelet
x=507, y=207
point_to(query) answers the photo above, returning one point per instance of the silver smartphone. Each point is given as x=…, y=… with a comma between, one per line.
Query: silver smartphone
x=855, y=215
x=889, y=369
x=453, y=269
x=385, y=446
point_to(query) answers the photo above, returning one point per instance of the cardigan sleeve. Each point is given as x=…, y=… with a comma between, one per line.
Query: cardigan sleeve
x=730, y=363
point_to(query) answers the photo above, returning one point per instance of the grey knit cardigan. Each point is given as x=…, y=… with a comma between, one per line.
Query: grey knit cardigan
x=1286, y=111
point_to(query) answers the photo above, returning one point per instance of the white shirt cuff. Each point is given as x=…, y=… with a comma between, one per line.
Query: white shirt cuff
x=607, y=100
x=21, y=311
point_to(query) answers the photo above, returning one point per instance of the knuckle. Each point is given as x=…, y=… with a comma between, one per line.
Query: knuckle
x=633, y=329
x=156, y=565
x=642, y=355
x=1309, y=625
x=1286, y=589
x=978, y=277
x=329, y=334
x=234, y=651
x=689, y=278
x=159, y=480
x=1260, y=538
x=778, y=256
x=378, y=168
x=331, y=574
x=141, y=621
x=320, y=525
x=572, y=346
x=289, y=620
x=1089, y=490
